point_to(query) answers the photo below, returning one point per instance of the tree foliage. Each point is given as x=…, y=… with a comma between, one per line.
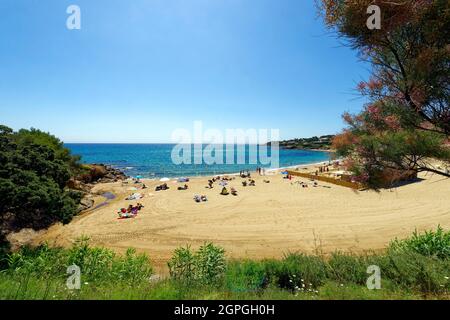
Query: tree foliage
x=406, y=121
x=34, y=170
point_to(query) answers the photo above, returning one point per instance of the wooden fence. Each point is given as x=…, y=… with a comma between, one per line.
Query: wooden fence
x=338, y=182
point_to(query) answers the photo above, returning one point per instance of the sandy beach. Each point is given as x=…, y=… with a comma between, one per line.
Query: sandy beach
x=264, y=221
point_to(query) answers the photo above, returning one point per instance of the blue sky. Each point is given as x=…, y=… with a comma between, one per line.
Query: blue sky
x=139, y=69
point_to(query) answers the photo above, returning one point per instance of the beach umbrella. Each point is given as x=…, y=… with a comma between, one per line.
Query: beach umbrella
x=164, y=179
x=284, y=172
x=138, y=177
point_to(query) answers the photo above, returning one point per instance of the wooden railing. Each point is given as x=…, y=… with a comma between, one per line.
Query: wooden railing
x=338, y=182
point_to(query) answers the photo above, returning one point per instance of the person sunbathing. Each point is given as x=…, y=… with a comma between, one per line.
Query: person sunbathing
x=203, y=198
x=233, y=192
x=252, y=183
x=164, y=186
x=224, y=192
x=244, y=183
x=185, y=187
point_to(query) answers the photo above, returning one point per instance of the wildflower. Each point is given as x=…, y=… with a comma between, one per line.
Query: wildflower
x=446, y=278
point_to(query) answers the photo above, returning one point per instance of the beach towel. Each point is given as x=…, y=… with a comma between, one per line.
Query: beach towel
x=134, y=196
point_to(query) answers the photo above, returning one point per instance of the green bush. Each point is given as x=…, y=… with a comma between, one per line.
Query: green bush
x=346, y=268
x=430, y=243
x=206, y=266
x=410, y=270
x=182, y=264
x=301, y=272
x=35, y=272
x=97, y=265
x=34, y=170
x=246, y=276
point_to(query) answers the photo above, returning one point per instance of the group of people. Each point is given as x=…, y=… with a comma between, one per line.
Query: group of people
x=245, y=174
x=225, y=191
x=202, y=198
x=250, y=183
x=261, y=171
x=161, y=187
x=218, y=178
x=130, y=212
x=322, y=169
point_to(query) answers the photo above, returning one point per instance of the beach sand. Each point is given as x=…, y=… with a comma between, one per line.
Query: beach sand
x=264, y=221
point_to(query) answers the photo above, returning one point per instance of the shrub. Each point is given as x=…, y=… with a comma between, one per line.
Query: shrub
x=246, y=276
x=97, y=264
x=411, y=270
x=210, y=264
x=182, y=264
x=301, y=272
x=206, y=266
x=34, y=170
x=345, y=268
x=430, y=243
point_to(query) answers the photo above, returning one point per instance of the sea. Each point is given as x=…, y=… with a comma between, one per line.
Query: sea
x=156, y=161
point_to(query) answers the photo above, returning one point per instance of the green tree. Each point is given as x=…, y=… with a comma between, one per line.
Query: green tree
x=33, y=177
x=407, y=119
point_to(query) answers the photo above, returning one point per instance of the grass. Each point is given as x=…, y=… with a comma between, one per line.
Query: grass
x=413, y=268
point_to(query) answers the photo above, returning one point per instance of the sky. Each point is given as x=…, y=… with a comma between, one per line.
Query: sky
x=138, y=70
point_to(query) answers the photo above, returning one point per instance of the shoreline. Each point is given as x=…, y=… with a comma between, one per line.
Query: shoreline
x=299, y=166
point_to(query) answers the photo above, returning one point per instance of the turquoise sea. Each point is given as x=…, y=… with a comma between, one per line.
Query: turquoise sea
x=154, y=160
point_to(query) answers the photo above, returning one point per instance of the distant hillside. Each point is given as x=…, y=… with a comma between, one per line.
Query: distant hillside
x=319, y=143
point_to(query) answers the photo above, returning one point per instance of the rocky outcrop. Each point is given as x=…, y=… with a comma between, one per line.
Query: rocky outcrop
x=101, y=173
x=94, y=173
x=86, y=203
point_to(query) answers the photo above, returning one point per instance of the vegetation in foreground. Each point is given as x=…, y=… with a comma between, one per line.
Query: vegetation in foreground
x=414, y=268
